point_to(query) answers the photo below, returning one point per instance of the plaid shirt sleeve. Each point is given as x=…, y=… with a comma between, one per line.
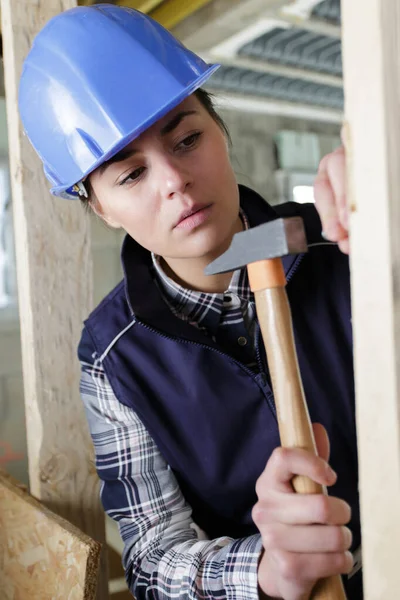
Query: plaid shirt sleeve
x=163, y=555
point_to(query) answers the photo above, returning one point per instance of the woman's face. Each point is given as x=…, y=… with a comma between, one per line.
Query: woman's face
x=173, y=188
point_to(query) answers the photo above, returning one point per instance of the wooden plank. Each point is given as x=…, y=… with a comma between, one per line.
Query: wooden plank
x=172, y=12
x=41, y=554
x=371, y=44
x=55, y=294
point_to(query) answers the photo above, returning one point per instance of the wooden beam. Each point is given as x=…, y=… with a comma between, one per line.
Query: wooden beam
x=55, y=294
x=371, y=53
x=145, y=6
x=41, y=554
x=172, y=12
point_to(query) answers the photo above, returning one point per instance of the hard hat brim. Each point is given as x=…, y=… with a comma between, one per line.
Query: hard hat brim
x=66, y=191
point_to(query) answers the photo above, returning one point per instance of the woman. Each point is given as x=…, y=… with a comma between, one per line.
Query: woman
x=174, y=374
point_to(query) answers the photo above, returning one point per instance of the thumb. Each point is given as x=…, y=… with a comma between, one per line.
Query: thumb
x=321, y=441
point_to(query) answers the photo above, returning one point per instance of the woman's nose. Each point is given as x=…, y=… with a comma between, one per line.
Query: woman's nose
x=175, y=179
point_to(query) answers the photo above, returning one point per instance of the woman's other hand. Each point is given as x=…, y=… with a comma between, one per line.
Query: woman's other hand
x=330, y=198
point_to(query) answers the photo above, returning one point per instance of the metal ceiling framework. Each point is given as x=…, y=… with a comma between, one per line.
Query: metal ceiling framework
x=297, y=48
x=281, y=51
x=278, y=87
x=287, y=61
x=328, y=10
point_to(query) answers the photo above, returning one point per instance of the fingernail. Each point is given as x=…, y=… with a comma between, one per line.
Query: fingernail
x=334, y=230
x=331, y=473
x=350, y=558
x=349, y=536
x=344, y=218
x=323, y=234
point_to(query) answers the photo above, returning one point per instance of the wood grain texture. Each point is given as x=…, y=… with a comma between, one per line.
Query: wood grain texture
x=275, y=321
x=295, y=428
x=55, y=295
x=371, y=53
x=42, y=556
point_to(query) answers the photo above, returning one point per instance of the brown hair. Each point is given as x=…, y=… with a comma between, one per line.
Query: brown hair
x=206, y=100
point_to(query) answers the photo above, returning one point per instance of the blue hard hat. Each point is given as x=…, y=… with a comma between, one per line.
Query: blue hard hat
x=95, y=78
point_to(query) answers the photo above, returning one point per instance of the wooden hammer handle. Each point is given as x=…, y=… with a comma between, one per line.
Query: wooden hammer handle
x=295, y=429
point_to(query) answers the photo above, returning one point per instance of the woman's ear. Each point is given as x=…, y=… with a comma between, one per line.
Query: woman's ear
x=96, y=206
x=97, y=209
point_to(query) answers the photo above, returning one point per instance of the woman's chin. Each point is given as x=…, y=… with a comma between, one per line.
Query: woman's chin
x=206, y=244
x=210, y=240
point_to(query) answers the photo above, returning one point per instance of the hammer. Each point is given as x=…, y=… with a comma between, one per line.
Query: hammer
x=261, y=249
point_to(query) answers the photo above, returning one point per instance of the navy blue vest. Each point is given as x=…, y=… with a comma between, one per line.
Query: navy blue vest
x=211, y=417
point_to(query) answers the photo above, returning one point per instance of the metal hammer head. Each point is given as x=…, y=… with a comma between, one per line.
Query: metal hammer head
x=271, y=240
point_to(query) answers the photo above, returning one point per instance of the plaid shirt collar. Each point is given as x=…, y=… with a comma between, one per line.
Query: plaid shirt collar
x=201, y=308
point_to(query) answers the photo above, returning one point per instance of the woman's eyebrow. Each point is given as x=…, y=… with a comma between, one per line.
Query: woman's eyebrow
x=125, y=153
x=119, y=157
x=174, y=122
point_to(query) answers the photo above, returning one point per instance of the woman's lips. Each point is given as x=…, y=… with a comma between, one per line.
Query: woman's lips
x=194, y=217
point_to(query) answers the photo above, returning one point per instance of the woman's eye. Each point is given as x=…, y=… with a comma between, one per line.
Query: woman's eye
x=133, y=175
x=189, y=141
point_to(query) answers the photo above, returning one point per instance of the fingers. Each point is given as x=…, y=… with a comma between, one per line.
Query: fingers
x=292, y=575
x=321, y=441
x=330, y=197
x=310, y=567
x=296, y=570
x=336, y=170
x=285, y=463
x=295, y=509
x=306, y=539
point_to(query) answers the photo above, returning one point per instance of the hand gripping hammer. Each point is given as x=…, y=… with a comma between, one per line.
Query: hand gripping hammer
x=261, y=249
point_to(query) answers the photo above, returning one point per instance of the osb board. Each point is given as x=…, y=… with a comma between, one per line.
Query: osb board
x=42, y=556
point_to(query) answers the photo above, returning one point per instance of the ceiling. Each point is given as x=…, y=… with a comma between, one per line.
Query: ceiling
x=279, y=52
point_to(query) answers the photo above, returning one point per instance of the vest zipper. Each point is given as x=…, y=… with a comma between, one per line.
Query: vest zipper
x=263, y=368
x=294, y=267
